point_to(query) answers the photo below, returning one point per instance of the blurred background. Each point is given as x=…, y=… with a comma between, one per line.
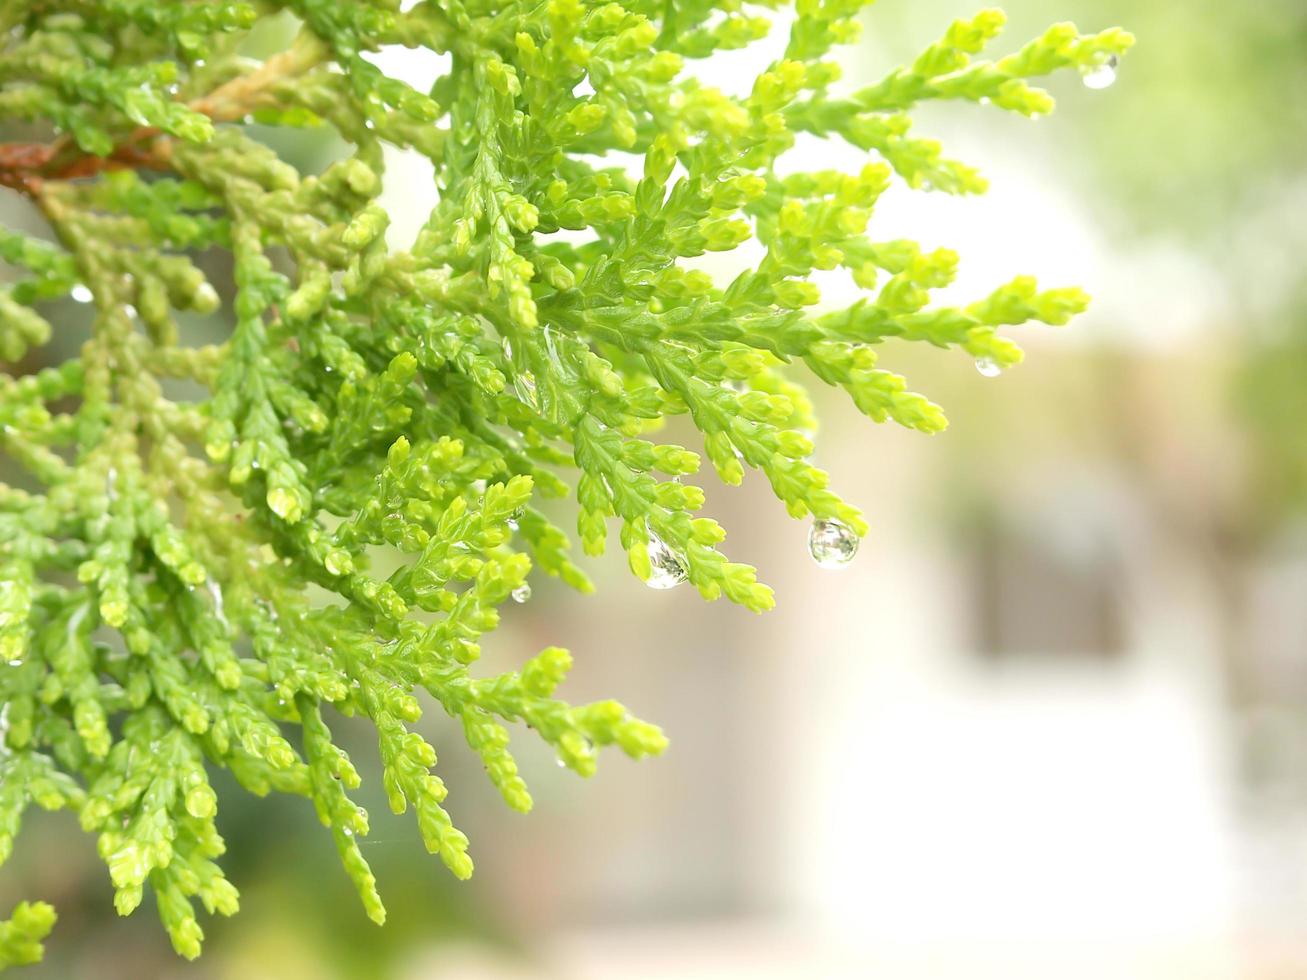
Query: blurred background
x=1052, y=722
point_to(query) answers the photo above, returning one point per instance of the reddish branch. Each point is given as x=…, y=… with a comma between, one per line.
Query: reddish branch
x=26, y=166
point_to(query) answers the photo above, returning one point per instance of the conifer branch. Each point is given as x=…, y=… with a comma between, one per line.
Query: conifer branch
x=379, y=426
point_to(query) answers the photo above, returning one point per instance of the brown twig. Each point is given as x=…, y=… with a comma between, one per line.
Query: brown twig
x=24, y=167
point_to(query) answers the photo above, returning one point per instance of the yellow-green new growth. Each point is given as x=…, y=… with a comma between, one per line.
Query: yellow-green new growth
x=372, y=408
x=21, y=935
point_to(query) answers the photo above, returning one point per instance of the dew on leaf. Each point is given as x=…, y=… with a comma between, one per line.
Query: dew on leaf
x=1102, y=75
x=668, y=567
x=832, y=543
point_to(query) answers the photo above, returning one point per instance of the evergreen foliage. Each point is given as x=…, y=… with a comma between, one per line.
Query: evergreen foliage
x=163, y=561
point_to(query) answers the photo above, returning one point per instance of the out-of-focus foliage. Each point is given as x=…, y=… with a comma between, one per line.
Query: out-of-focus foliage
x=1206, y=151
x=189, y=583
x=21, y=935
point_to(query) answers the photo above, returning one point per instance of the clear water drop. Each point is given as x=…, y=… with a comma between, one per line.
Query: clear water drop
x=832, y=543
x=522, y=593
x=81, y=294
x=668, y=567
x=988, y=367
x=1101, y=75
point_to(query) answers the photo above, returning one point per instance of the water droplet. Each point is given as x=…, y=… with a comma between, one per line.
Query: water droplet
x=16, y=662
x=521, y=593
x=81, y=294
x=832, y=544
x=515, y=518
x=1101, y=75
x=349, y=832
x=988, y=367
x=668, y=567
x=561, y=763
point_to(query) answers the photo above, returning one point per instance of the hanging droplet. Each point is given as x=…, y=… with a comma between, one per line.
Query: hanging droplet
x=988, y=367
x=81, y=294
x=668, y=567
x=515, y=519
x=522, y=593
x=832, y=543
x=1101, y=75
